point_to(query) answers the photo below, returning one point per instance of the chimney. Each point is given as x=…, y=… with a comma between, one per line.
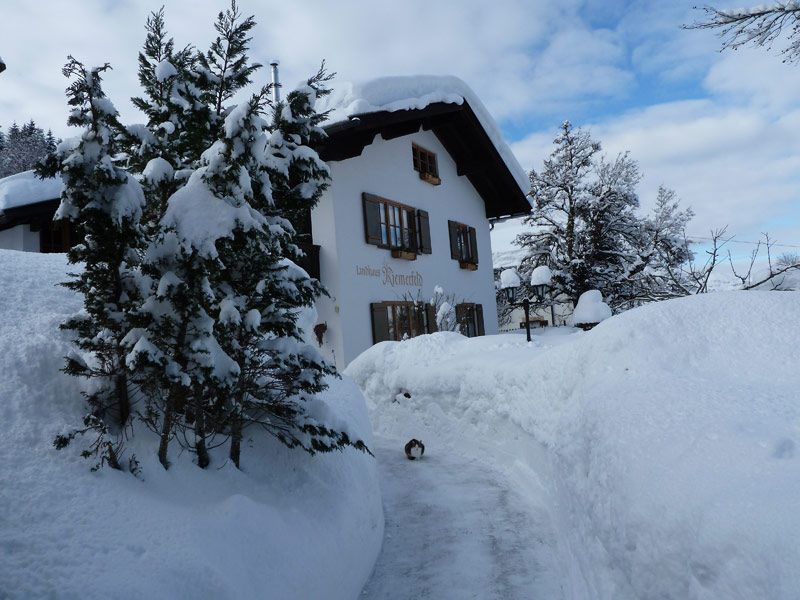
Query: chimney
x=276, y=84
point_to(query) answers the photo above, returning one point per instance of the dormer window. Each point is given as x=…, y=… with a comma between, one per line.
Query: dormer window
x=425, y=164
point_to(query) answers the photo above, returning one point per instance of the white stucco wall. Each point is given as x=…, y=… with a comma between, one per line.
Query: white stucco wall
x=385, y=168
x=19, y=238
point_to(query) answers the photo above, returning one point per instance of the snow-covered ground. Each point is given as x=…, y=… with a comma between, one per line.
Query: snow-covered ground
x=652, y=457
x=288, y=526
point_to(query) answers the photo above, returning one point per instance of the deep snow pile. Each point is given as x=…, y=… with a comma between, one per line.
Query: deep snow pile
x=289, y=526
x=666, y=438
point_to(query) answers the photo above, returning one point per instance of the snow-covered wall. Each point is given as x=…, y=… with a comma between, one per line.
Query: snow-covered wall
x=355, y=273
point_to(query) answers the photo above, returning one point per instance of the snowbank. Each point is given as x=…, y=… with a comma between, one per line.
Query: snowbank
x=667, y=438
x=26, y=188
x=412, y=93
x=288, y=526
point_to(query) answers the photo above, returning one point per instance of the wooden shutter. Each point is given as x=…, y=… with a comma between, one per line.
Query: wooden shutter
x=460, y=313
x=473, y=245
x=424, y=226
x=452, y=227
x=479, y=319
x=430, y=309
x=372, y=219
x=380, y=322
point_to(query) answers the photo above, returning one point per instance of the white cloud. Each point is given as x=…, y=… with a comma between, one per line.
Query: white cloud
x=734, y=157
x=521, y=56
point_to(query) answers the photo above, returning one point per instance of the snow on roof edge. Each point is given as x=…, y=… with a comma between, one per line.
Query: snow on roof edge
x=415, y=92
x=26, y=188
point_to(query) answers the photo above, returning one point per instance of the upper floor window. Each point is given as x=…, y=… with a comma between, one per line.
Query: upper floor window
x=402, y=229
x=463, y=245
x=425, y=164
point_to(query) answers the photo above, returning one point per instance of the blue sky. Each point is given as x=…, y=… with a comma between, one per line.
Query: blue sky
x=722, y=129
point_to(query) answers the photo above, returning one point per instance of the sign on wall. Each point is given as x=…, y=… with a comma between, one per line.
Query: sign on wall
x=389, y=277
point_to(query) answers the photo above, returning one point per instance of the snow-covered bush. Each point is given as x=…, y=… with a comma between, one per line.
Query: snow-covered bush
x=590, y=309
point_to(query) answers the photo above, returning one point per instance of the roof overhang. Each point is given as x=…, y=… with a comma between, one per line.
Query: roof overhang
x=28, y=213
x=460, y=132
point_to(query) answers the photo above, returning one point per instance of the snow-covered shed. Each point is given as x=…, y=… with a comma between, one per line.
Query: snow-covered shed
x=419, y=169
x=27, y=206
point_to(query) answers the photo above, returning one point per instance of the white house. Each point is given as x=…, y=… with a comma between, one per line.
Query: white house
x=419, y=169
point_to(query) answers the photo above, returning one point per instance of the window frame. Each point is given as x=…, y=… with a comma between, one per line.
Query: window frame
x=404, y=317
x=426, y=163
x=466, y=244
x=400, y=227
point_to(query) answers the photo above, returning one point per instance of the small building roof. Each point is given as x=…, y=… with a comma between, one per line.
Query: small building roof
x=25, y=196
x=397, y=106
x=26, y=188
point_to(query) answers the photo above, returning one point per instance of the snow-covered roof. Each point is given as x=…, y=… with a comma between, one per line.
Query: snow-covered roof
x=417, y=92
x=26, y=188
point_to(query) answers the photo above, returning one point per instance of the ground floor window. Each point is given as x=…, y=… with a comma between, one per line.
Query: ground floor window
x=470, y=319
x=56, y=236
x=401, y=320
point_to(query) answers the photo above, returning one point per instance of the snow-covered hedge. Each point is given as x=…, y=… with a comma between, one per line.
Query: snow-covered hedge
x=289, y=525
x=666, y=438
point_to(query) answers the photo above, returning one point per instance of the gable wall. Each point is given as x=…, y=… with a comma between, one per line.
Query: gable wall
x=385, y=168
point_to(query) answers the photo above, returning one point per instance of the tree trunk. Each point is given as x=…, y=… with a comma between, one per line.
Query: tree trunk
x=200, y=439
x=166, y=430
x=123, y=399
x=236, y=441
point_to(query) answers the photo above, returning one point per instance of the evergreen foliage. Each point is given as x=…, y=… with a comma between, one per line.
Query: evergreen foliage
x=23, y=147
x=104, y=203
x=205, y=320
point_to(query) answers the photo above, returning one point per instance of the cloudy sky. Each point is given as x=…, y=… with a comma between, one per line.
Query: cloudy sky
x=723, y=129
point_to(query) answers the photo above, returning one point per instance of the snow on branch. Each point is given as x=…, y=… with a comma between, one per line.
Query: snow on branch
x=760, y=26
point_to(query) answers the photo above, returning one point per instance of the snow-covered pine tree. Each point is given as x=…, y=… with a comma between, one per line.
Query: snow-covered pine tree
x=225, y=67
x=659, y=253
x=298, y=176
x=23, y=147
x=104, y=204
x=177, y=129
x=584, y=225
x=261, y=290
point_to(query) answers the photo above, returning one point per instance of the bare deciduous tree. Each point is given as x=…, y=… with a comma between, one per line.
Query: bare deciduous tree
x=757, y=26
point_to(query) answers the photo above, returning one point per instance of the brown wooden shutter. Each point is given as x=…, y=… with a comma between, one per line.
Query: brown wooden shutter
x=473, y=245
x=452, y=227
x=372, y=219
x=430, y=309
x=479, y=319
x=380, y=322
x=423, y=223
x=460, y=310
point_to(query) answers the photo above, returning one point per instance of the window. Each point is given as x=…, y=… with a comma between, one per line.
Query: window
x=470, y=319
x=425, y=164
x=56, y=236
x=400, y=320
x=400, y=228
x=463, y=245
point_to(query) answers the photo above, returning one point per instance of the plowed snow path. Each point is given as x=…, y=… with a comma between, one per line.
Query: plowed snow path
x=456, y=528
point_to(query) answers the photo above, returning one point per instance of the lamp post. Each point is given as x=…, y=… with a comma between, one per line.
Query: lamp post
x=510, y=282
x=541, y=281
x=540, y=285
